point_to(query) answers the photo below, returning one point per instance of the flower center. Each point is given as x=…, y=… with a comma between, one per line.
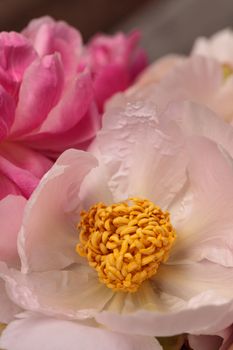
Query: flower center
x=227, y=70
x=125, y=242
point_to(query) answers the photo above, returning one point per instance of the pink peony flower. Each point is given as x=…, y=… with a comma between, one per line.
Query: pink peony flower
x=136, y=281
x=52, y=91
x=115, y=62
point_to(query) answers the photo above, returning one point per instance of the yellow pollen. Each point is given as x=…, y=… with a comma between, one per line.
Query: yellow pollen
x=125, y=242
x=227, y=70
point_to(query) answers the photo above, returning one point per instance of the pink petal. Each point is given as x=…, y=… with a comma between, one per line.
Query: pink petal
x=79, y=136
x=114, y=62
x=7, y=186
x=23, y=179
x=7, y=110
x=47, y=227
x=109, y=80
x=49, y=36
x=16, y=55
x=72, y=106
x=11, y=214
x=52, y=334
x=25, y=158
x=40, y=91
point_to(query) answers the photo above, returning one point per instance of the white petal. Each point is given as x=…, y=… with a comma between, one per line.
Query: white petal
x=48, y=237
x=196, y=119
x=75, y=293
x=39, y=332
x=206, y=232
x=156, y=71
x=8, y=309
x=190, y=298
x=219, y=46
x=193, y=318
x=11, y=214
x=186, y=281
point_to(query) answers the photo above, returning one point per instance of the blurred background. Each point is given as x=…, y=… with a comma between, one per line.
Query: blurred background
x=166, y=25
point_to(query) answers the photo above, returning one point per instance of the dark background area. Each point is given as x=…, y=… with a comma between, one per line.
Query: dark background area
x=166, y=25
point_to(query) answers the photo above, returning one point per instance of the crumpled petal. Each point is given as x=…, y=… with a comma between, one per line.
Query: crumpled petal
x=51, y=334
x=130, y=143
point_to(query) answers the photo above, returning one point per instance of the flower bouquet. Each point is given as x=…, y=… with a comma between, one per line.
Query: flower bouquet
x=116, y=195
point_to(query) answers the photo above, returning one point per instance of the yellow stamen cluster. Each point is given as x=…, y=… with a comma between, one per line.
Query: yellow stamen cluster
x=227, y=71
x=2, y=327
x=125, y=242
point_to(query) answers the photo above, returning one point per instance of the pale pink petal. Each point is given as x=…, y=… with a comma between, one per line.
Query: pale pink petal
x=157, y=71
x=192, y=298
x=8, y=309
x=206, y=231
x=73, y=293
x=130, y=143
x=7, y=110
x=48, y=236
x=51, y=334
x=11, y=214
x=196, y=119
x=49, y=36
x=40, y=91
x=219, y=46
x=201, y=80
